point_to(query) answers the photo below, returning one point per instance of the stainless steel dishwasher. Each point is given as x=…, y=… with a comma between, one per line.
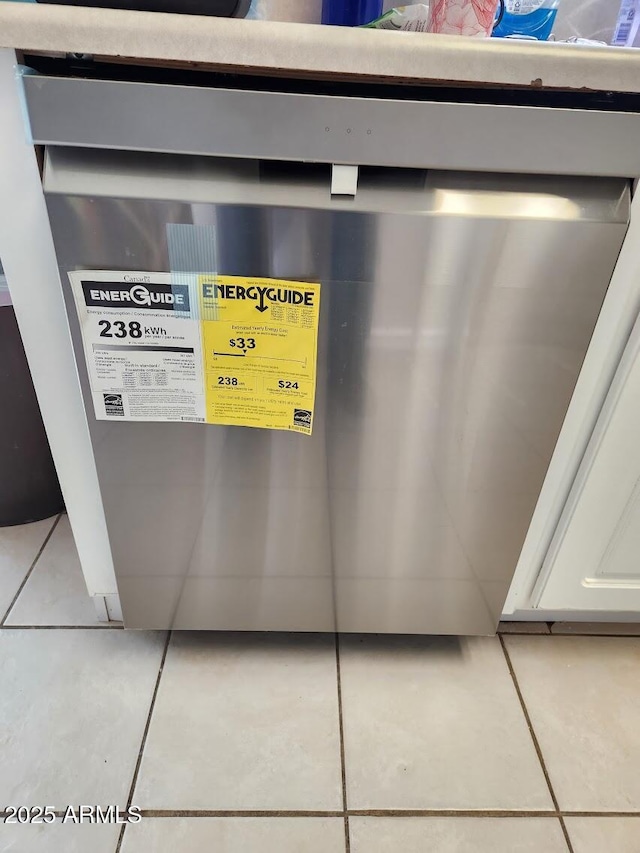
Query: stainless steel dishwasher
x=456, y=309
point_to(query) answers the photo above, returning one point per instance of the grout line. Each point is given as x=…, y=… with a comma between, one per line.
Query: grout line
x=143, y=743
x=565, y=832
x=31, y=568
x=479, y=813
x=599, y=814
x=158, y=814
x=391, y=813
x=248, y=813
x=343, y=764
x=536, y=743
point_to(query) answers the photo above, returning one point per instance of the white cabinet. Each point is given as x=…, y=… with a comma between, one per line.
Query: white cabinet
x=594, y=560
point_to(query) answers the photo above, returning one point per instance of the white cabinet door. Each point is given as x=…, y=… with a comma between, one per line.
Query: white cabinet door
x=594, y=561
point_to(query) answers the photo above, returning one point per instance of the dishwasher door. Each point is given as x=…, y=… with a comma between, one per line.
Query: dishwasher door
x=456, y=311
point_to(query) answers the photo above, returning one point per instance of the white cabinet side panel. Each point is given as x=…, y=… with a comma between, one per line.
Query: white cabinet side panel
x=29, y=261
x=595, y=562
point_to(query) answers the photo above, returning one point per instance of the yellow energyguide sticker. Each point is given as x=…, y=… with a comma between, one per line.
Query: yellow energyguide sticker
x=260, y=345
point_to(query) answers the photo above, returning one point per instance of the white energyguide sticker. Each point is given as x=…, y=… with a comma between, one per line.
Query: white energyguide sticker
x=142, y=343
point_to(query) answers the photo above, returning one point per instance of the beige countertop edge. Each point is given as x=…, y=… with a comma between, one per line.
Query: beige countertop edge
x=313, y=49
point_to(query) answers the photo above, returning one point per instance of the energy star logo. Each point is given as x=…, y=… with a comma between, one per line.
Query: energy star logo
x=147, y=295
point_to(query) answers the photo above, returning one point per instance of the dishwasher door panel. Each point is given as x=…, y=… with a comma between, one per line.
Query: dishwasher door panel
x=452, y=331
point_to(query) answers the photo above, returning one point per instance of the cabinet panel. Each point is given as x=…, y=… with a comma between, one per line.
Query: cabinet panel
x=594, y=562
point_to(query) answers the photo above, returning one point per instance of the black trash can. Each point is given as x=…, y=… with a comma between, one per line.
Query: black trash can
x=29, y=488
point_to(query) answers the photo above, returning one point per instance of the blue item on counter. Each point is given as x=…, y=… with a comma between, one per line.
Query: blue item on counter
x=350, y=13
x=529, y=18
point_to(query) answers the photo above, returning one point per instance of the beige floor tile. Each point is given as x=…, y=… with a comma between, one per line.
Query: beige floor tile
x=235, y=835
x=456, y=835
x=604, y=834
x=73, y=708
x=244, y=721
x=583, y=696
x=55, y=593
x=58, y=838
x=435, y=723
x=19, y=547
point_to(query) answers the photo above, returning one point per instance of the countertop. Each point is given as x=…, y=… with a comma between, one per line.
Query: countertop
x=313, y=50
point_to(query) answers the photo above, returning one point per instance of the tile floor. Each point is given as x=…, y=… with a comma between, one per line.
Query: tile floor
x=242, y=743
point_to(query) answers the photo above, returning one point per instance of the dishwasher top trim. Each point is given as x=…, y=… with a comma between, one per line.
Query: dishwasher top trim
x=331, y=129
